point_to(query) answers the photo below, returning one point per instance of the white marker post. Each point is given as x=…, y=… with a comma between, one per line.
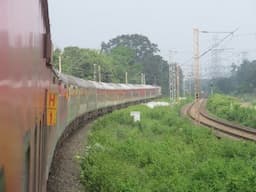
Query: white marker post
x=135, y=115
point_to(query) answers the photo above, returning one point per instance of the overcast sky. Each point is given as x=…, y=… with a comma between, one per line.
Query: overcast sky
x=169, y=23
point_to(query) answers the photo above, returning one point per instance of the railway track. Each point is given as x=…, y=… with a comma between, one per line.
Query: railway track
x=221, y=128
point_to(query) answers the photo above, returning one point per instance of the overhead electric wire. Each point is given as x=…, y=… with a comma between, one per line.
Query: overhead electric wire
x=213, y=47
x=217, y=44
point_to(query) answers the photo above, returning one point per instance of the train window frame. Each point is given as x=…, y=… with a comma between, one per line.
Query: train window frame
x=2, y=180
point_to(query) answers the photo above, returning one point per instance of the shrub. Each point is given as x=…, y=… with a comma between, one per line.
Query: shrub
x=229, y=108
x=162, y=153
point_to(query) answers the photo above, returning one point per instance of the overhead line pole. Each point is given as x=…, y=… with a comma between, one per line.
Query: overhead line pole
x=126, y=77
x=99, y=73
x=94, y=72
x=196, y=64
x=60, y=64
x=177, y=82
x=170, y=82
x=172, y=77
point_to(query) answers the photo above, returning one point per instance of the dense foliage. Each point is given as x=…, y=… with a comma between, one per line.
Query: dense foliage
x=134, y=54
x=242, y=79
x=152, y=65
x=162, y=153
x=80, y=63
x=230, y=108
x=139, y=43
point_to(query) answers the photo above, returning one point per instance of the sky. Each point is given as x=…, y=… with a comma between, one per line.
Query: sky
x=168, y=23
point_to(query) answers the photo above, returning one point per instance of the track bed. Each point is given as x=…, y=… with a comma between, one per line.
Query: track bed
x=197, y=111
x=65, y=171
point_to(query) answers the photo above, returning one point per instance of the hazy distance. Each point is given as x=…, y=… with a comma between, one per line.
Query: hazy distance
x=168, y=23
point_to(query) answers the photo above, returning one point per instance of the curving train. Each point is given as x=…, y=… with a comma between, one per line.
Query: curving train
x=39, y=107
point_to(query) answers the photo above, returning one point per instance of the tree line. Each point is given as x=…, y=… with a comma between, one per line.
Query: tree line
x=134, y=54
x=242, y=79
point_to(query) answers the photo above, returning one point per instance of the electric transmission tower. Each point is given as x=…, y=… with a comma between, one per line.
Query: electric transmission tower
x=174, y=82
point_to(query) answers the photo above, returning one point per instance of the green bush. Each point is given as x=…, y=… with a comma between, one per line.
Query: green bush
x=163, y=152
x=229, y=108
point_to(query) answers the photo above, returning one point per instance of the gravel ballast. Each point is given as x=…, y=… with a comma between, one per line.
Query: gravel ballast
x=64, y=176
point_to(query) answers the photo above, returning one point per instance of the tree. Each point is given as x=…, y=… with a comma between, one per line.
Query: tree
x=134, y=54
x=56, y=54
x=242, y=79
x=139, y=43
x=80, y=62
x=145, y=59
x=124, y=60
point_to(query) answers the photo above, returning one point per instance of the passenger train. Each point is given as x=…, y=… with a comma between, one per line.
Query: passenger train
x=39, y=107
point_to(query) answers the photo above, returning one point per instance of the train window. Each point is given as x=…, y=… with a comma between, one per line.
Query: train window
x=2, y=180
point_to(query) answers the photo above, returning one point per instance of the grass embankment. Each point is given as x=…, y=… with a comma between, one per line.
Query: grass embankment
x=230, y=108
x=162, y=153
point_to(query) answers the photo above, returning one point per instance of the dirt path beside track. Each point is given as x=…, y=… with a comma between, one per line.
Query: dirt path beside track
x=64, y=176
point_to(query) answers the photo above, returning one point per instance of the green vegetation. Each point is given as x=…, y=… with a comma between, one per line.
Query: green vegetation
x=162, y=153
x=230, y=108
x=242, y=80
x=134, y=54
x=248, y=98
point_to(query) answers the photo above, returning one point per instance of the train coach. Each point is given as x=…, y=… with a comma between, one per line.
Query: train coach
x=69, y=102
x=38, y=106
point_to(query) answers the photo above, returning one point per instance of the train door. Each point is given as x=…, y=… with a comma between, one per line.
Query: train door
x=39, y=157
x=35, y=160
x=38, y=165
x=2, y=187
x=26, y=160
x=42, y=154
x=35, y=157
x=27, y=170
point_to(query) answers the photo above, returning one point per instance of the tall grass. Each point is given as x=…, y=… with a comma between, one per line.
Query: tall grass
x=162, y=153
x=230, y=108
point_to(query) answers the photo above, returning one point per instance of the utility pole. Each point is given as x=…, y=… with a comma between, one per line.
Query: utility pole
x=94, y=72
x=177, y=82
x=171, y=82
x=60, y=64
x=185, y=87
x=174, y=82
x=172, y=77
x=190, y=80
x=126, y=78
x=142, y=78
x=99, y=73
x=196, y=64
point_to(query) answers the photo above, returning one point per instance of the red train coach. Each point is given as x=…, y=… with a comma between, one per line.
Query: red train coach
x=25, y=49
x=39, y=106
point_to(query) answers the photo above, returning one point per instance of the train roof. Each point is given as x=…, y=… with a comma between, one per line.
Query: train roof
x=78, y=82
